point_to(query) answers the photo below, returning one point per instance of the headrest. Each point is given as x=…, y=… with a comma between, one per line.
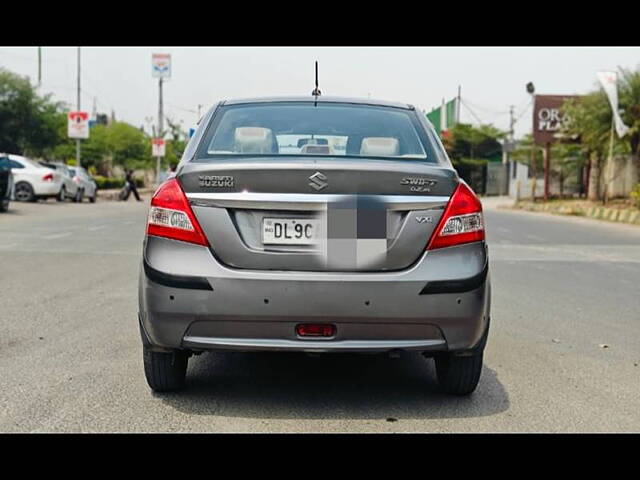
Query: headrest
x=316, y=149
x=380, y=146
x=254, y=140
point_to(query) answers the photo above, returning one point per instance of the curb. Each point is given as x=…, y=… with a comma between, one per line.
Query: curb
x=113, y=194
x=629, y=216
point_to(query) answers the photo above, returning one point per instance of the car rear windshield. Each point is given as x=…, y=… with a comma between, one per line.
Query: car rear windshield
x=323, y=129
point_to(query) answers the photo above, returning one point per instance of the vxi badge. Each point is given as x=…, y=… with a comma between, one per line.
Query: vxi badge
x=418, y=184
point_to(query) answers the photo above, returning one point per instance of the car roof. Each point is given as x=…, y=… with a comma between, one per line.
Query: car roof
x=319, y=99
x=13, y=156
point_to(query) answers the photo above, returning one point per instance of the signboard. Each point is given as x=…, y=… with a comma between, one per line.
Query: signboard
x=548, y=117
x=161, y=65
x=445, y=116
x=158, y=147
x=78, y=125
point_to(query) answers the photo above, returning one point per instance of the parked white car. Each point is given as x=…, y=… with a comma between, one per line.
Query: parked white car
x=69, y=186
x=86, y=184
x=33, y=181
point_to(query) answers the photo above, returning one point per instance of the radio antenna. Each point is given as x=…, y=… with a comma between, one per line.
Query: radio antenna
x=316, y=91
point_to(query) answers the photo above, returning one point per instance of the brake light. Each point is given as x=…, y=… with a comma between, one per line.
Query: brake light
x=170, y=215
x=461, y=221
x=76, y=179
x=48, y=177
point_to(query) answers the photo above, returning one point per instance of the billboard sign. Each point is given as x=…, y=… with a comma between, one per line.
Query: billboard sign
x=158, y=147
x=548, y=117
x=161, y=65
x=78, y=125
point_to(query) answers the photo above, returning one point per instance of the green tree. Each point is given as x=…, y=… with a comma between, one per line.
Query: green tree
x=176, y=143
x=590, y=120
x=629, y=93
x=29, y=123
x=468, y=141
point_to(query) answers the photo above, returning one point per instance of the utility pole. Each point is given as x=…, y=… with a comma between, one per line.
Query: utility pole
x=458, y=104
x=508, y=146
x=160, y=119
x=39, y=66
x=78, y=109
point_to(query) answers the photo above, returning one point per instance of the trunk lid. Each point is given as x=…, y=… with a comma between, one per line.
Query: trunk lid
x=369, y=215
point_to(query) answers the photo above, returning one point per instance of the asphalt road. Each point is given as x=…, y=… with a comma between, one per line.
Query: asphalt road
x=71, y=358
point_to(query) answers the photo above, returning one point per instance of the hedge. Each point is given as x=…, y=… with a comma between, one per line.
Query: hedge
x=105, y=183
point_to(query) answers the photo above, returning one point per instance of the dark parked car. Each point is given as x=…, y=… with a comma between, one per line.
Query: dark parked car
x=315, y=224
x=6, y=183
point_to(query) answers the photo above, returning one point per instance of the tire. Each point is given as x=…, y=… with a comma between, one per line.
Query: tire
x=24, y=192
x=4, y=205
x=79, y=195
x=165, y=372
x=62, y=195
x=458, y=375
x=93, y=199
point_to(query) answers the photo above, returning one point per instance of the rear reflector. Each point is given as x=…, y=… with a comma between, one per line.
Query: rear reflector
x=315, y=330
x=170, y=215
x=48, y=177
x=461, y=222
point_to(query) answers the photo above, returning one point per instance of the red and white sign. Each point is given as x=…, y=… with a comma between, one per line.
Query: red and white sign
x=78, y=125
x=161, y=65
x=158, y=147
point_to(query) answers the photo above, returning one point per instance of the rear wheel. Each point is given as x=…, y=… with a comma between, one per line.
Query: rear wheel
x=458, y=375
x=93, y=199
x=24, y=192
x=79, y=195
x=4, y=205
x=165, y=371
x=62, y=196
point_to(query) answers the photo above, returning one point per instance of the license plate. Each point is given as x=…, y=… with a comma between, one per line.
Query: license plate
x=289, y=231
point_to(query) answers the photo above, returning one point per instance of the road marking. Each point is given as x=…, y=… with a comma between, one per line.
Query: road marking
x=57, y=235
x=534, y=237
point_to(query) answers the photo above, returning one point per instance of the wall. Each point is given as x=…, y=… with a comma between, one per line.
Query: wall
x=624, y=177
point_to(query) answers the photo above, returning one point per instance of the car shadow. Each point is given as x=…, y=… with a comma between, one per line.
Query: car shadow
x=332, y=386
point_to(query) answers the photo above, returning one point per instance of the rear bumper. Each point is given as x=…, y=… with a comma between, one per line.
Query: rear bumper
x=317, y=346
x=187, y=299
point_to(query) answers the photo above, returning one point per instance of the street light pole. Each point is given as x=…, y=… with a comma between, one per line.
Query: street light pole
x=531, y=90
x=160, y=124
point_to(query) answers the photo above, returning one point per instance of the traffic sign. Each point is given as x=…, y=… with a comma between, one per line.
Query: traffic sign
x=158, y=147
x=161, y=65
x=78, y=125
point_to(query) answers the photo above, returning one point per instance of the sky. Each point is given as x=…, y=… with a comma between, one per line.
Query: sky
x=491, y=78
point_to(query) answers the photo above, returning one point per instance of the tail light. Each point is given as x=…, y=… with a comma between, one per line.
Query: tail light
x=48, y=177
x=170, y=215
x=76, y=179
x=461, y=221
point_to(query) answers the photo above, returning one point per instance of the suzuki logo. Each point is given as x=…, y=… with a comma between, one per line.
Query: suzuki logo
x=318, y=181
